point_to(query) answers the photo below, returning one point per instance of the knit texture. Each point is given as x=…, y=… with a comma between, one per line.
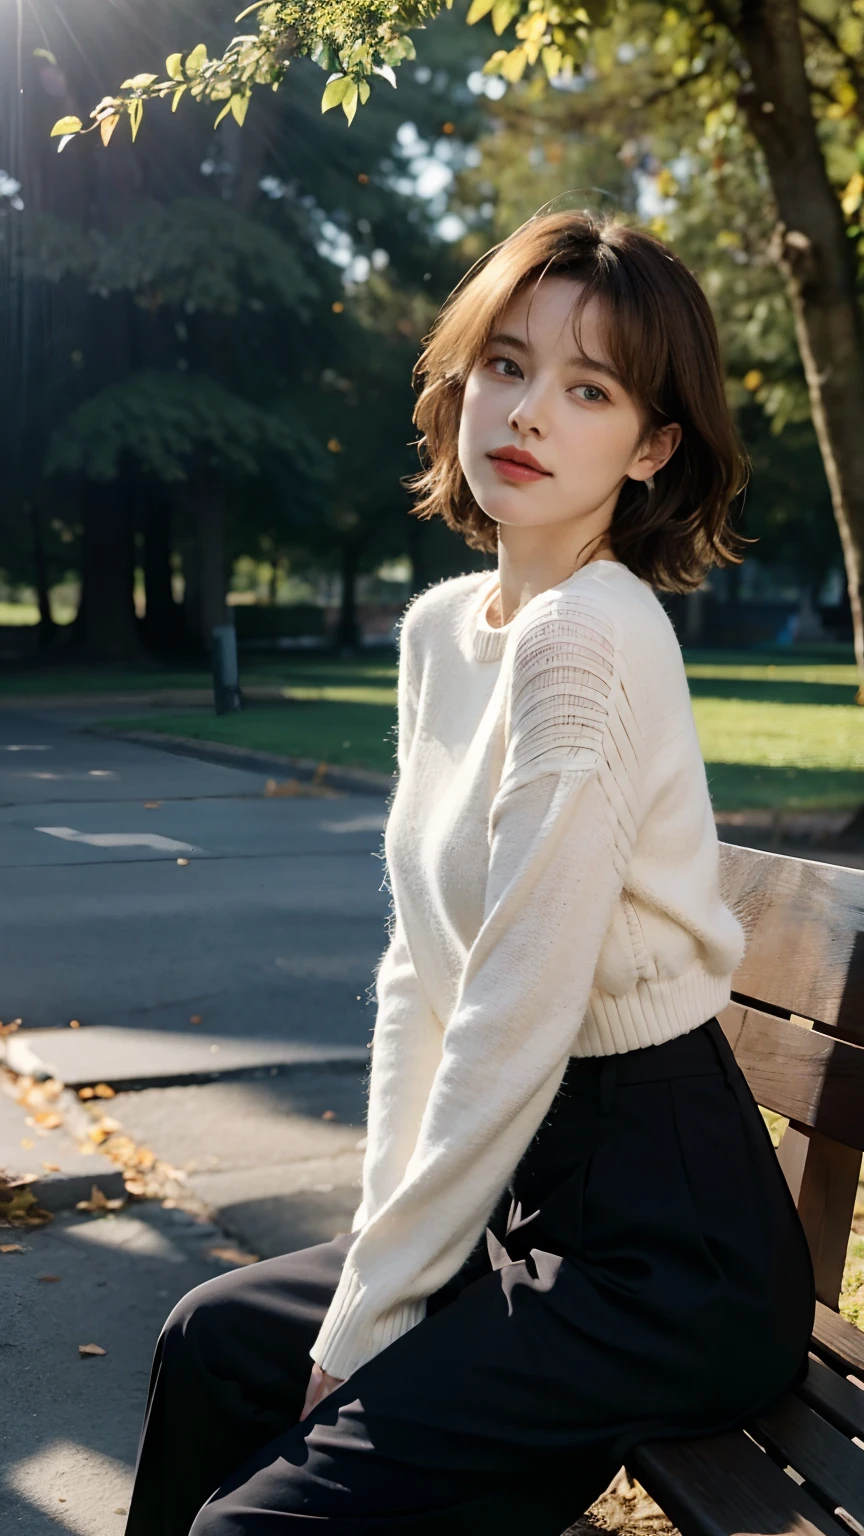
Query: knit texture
x=553, y=865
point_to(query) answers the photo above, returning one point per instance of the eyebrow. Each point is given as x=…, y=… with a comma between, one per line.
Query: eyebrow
x=502, y=338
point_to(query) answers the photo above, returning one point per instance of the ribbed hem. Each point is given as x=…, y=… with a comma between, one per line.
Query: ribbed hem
x=351, y=1333
x=653, y=1012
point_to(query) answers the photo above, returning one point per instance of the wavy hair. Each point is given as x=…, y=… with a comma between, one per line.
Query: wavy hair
x=662, y=340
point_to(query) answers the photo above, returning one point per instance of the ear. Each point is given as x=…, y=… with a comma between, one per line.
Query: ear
x=656, y=452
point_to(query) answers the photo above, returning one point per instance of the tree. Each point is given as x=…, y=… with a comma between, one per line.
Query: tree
x=793, y=75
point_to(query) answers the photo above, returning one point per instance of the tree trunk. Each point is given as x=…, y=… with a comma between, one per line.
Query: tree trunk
x=47, y=627
x=106, y=620
x=162, y=622
x=348, y=634
x=817, y=260
x=211, y=543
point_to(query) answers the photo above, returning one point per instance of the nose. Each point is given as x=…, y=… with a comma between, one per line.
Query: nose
x=530, y=414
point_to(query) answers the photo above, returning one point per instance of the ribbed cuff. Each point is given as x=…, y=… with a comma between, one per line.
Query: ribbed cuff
x=352, y=1333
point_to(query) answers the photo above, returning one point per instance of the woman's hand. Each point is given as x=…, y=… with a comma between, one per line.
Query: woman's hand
x=320, y=1386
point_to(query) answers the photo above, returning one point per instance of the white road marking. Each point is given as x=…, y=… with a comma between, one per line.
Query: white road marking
x=152, y=840
x=26, y=749
x=357, y=824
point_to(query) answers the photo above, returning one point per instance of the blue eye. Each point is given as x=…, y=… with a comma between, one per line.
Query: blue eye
x=596, y=393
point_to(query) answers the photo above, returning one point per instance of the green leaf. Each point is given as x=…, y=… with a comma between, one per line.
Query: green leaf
x=349, y=102
x=136, y=112
x=479, y=9
x=365, y=90
x=225, y=110
x=239, y=106
x=177, y=94
x=335, y=91
x=174, y=66
x=66, y=125
x=503, y=12
x=196, y=59
x=137, y=82
x=553, y=61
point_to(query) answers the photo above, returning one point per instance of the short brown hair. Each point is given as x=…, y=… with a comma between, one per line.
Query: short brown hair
x=663, y=342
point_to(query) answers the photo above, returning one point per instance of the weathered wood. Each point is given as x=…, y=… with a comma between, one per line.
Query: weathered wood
x=823, y=1177
x=805, y=928
x=809, y=1077
x=724, y=1485
x=797, y=1436
x=838, y=1342
x=838, y=1400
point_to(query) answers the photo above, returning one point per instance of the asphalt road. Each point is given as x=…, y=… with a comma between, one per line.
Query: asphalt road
x=271, y=930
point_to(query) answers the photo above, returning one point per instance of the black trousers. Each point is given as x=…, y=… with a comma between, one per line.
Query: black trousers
x=645, y=1275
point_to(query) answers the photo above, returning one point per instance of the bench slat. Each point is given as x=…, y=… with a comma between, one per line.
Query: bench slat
x=805, y=928
x=837, y=1399
x=723, y=1485
x=799, y=1438
x=809, y=1077
x=838, y=1342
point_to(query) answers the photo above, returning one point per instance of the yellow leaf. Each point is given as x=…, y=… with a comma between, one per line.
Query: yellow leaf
x=239, y=105
x=553, y=60
x=334, y=91
x=136, y=112
x=233, y=1255
x=493, y=64
x=513, y=67
x=349, y=102
x=177, y=94
x=66, y=125
x=224, y=113
x=196, y=60
x=103, y=1091
x=503, y=12
x=753, y=379
x=365, y=90
x=107, y=126
x=478, y=9
x=853, y=195
x=11, y=1248
x=174, y=66
x=137, y=82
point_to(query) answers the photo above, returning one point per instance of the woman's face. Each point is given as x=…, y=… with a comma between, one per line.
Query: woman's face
x=533, y=392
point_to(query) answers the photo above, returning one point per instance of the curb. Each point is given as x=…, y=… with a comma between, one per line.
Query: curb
x=61, y=1192
x=351, y=780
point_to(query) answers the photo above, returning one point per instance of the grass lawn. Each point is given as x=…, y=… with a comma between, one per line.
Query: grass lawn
x=777, y=730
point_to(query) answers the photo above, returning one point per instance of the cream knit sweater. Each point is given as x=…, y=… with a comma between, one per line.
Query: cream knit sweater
x=553, y=863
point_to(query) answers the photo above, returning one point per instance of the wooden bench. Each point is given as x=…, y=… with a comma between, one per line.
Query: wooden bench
x=796, y=1024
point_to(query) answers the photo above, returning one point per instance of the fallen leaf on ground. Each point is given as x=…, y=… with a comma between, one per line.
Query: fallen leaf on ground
x=120, y=1510
x=195, y=1019
x=99, y=1201
x=152, y=805
x=51, y=1167
x=11, y=1248
x=74, y=1023
x=26, y=1142
x=48, y=1119
x=91, y=1349
x=233, y=1255
x=86, y=1093
x=104, y=1091
x=135, y=1186
x=329, y=1114
x=9, y=1029
x=47, y=1277
x=19, y=1207
x=182, y=862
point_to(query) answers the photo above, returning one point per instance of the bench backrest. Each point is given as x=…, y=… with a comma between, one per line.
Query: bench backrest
x=796, y=1025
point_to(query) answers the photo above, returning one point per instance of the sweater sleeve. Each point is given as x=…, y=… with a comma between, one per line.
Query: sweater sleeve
x=559, y=830
x=407, y=1040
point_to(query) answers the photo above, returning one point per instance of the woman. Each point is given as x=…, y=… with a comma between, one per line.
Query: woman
x=574, y=1234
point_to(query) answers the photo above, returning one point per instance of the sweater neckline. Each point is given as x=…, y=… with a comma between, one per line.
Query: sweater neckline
x=489, y=641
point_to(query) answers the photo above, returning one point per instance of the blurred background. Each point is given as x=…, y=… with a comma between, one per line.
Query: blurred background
x=207, y=340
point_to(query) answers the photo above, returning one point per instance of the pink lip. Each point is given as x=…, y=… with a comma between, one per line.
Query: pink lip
x=521, y=468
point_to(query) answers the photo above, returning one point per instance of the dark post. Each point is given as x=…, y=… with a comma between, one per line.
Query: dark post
x=226, y=677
